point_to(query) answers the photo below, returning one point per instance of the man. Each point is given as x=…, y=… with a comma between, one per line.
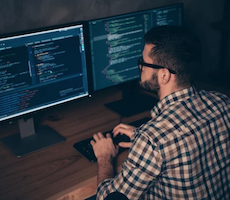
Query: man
x=183, y=152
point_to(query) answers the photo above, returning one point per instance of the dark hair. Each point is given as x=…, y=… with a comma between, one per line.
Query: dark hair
x=175, y=48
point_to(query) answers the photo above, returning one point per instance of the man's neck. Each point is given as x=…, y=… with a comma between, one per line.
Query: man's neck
x=165, y=91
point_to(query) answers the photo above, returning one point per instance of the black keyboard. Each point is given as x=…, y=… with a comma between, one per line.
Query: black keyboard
x=86, y=149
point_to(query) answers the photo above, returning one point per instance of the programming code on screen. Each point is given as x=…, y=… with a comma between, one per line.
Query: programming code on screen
x=117, y=43
x=13, y=69
x=41, y=69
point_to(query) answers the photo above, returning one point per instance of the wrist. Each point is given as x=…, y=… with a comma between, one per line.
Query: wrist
x=105, y=159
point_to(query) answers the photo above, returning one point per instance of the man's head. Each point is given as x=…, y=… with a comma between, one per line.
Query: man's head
x=178, y=54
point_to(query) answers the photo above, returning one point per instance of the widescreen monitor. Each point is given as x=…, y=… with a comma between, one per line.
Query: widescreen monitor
x=38, y=70
x=116, y=44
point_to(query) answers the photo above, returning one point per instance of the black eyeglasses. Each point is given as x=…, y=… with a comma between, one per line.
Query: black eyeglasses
x=142, y=63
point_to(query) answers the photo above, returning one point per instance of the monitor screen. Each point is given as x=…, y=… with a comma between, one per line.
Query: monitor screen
x=41, y=69
x=117, y=43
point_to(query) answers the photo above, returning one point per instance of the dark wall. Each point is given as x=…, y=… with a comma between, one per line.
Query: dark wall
x=18, y=15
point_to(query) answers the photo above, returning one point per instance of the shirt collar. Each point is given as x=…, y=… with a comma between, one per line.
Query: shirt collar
x=171, y=99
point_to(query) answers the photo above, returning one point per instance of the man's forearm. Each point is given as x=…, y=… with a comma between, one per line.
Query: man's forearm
x=105, y=169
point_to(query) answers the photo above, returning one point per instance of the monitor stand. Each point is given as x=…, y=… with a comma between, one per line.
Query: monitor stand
x=133, y=101
x=30, y=139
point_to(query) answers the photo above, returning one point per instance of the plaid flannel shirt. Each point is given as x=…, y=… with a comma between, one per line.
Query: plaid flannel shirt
x=183, y=152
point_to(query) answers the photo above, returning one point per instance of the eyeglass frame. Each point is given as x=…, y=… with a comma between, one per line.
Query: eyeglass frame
x=142, y=63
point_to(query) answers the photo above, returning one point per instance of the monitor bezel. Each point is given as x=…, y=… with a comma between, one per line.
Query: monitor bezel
x=32, y=112
x=87, y=27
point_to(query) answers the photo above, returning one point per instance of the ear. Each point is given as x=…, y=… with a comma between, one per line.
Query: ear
x=164, y=76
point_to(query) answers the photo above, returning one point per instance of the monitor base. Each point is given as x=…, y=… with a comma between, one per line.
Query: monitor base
x=44, y=137
x=139, y=104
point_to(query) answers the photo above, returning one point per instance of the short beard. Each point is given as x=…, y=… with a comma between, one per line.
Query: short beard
x=151, y=85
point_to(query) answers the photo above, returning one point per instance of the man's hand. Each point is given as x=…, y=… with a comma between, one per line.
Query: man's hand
x=124, y=129
x=104, y=151
x=104, y=147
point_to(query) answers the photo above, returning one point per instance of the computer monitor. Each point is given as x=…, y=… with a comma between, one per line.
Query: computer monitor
x=117, y=43
x=40, y=69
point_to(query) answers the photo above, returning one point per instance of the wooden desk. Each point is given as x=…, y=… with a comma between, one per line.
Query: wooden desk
x=60, y=172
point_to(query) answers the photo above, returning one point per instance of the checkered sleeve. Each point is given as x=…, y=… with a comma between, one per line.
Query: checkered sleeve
x=139, y=171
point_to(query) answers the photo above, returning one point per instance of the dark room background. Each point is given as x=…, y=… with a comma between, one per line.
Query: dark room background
x=19, y=15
